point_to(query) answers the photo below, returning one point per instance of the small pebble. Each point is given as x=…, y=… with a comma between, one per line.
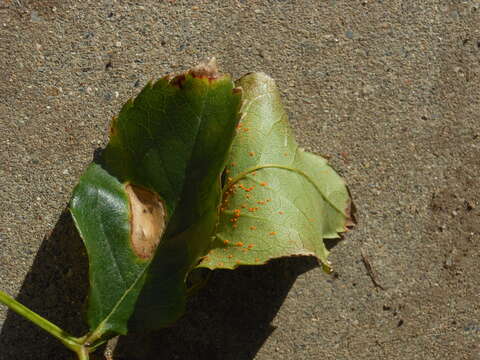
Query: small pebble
x=35, y=17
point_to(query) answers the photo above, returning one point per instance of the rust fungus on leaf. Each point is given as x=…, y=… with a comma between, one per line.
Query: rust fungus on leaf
x=147, y=218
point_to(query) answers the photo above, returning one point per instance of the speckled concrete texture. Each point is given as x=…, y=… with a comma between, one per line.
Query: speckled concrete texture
x=387, y=89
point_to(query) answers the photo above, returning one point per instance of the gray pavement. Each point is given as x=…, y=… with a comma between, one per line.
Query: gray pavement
x=388, y=90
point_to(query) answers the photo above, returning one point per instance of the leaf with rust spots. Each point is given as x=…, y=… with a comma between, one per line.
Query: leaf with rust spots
x=146, y=211
x=278, y=200
x=182, y=185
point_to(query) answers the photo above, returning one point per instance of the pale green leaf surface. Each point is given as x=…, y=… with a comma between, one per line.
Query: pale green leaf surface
x=278, y=200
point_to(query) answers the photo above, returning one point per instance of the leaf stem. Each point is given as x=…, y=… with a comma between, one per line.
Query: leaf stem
x=82, y=353
x=72, y=343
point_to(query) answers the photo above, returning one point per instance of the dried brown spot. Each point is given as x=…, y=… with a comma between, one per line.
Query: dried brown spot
x=350, y=214
x=147, y=217
x=178, y=81
x=113, y=127
x=207, y=69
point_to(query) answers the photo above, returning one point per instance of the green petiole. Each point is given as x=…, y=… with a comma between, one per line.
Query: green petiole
x=73, y=343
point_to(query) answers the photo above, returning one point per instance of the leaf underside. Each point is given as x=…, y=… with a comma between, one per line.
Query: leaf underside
x=278, y=200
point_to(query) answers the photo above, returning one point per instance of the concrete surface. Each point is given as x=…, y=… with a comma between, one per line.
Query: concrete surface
x=389, y=89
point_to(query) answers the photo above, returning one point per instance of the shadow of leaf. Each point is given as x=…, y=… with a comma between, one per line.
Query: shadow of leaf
x=55, y=287
x=228, y=319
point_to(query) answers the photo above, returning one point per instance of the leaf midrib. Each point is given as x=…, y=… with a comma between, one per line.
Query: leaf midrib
x=97, y=333
x=246, y=172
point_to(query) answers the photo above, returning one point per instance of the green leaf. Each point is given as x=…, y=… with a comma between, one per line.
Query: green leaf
x=147, y=211
x=278, y=200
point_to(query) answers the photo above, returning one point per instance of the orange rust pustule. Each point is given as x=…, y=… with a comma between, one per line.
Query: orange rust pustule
x=147, y=220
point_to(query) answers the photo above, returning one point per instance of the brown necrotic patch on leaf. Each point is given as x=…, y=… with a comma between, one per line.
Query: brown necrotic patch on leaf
x=208, y=69
x=350, y=211
x=147, y=220
x=178, y=81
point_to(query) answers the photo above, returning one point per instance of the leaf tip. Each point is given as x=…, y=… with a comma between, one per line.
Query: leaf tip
x=207, y=68
x=327, y=267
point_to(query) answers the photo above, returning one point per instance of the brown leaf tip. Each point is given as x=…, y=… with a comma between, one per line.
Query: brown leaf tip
x=207, y=69
x=350, y=211
x=147, y=220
